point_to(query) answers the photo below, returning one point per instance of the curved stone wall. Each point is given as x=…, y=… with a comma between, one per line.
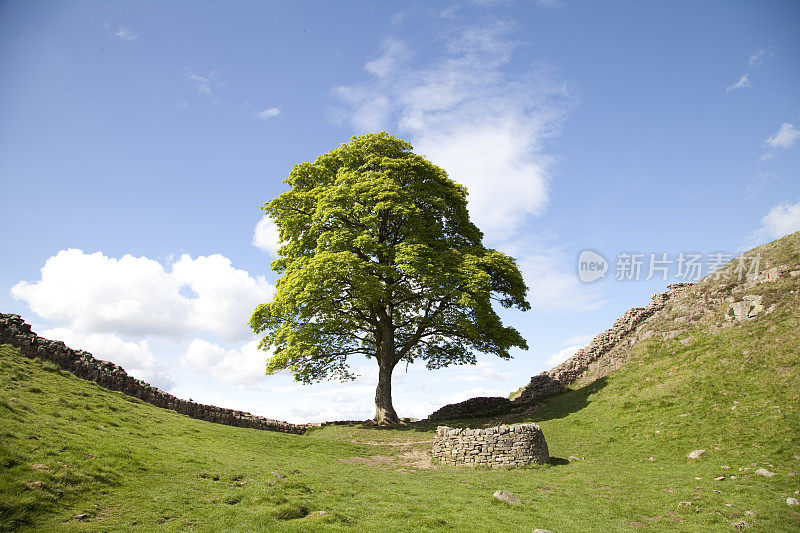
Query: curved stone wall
x=16, y=332
x=497, y=446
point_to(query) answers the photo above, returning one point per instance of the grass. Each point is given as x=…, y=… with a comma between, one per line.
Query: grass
x=77, y=457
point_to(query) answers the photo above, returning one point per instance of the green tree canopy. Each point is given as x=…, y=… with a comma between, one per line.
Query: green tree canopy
x=379, y=258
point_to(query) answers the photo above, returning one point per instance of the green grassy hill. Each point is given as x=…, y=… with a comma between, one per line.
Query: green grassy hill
x=75, y=456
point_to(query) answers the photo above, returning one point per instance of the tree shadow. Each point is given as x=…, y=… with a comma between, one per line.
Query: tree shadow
x=553, y=407
x=560, y=405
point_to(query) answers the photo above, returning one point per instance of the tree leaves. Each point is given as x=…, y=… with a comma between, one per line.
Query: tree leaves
x=377, y=243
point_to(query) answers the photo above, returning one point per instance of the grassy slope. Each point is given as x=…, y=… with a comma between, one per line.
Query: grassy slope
x=126, y=464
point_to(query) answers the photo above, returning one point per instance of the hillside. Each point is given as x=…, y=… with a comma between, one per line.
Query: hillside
x=77, y=456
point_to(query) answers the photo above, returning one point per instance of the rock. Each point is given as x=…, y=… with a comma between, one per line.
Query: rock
x=741, y=524
x=82, y=516
x=505, y=496
x=279, y=475
x=696, y=454
x=720, y=478
x=764, y=472
x=792, y=501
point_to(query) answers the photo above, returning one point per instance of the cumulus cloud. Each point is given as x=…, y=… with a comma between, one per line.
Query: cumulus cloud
x=126, y=34
x=137, y=296
x=266, y=236
x=468, y=114
x=243, y=366
x=743, y=82
x=562, y=355
x=781, y=220
x=269, y=113
x=134, y=357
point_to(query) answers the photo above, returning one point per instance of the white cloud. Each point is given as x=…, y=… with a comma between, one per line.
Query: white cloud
x=266, y=236
x=472, y=393
x=554, y=284
x=137, y=296
x=581, y=340
x=134, y=357
x=758, y=58
x=243, y=366
x=470, y=116
x=743, y=82
x=269, y=113
x=562, y=355
x=394, y=55
x=781, y=220
x=126, y=34
x=785, y=137
x=205, y=84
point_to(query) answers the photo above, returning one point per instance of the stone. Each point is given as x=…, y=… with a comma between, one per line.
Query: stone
x=505, y=496
x=764, y=472
x=792, y=501
x=499, y=446
x=696, y=454
x=720, y=478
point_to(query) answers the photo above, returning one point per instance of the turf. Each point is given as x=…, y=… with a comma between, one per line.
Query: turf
x=77, y=457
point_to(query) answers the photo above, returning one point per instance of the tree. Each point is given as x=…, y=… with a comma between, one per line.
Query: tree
x=379, y=258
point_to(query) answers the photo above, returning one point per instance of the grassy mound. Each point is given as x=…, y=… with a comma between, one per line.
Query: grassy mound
x=75, y=456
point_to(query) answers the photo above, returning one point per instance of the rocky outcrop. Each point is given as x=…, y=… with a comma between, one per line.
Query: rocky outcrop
x=16, y=332
x=516, y=445
x=481, y=406
x=557, y=379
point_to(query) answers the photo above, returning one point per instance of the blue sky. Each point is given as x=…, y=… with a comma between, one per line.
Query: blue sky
x=138, y=141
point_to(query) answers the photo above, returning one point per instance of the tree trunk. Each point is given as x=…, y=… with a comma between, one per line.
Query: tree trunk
x=384, y=411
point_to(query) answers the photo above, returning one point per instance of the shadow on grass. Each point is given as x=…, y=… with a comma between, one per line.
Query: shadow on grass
x=554, y=407
x=564, y=404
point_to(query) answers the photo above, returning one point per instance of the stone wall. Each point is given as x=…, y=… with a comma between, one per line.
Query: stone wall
x=497, y=446
x=557, y=379
x=15, y=331
x=481, y=406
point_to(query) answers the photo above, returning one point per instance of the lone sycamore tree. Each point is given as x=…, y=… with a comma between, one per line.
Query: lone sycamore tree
x=379, y=258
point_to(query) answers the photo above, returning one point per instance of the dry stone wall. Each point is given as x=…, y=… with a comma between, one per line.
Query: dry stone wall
x=516, y=445
x=557, y=379
x=481, y=406
x=15, y=331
